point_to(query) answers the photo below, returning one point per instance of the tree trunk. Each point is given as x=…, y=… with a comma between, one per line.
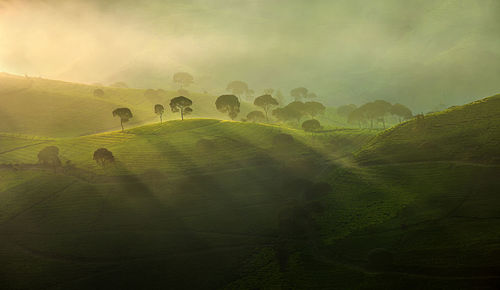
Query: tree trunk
x=182, y=114
x=267, y=119
x=161, y=119
x=121, y=123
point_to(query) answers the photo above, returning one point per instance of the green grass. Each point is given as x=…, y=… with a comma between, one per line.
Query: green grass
x=36, y=106
x=169, y=211
x=469, y=133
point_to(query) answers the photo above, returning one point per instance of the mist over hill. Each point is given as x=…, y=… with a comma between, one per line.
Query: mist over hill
x=421, y=53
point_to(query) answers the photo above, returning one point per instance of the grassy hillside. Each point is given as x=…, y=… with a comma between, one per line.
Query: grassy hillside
x=170, y=209
x=241, y=213
x=35, y=106
x=468, y=133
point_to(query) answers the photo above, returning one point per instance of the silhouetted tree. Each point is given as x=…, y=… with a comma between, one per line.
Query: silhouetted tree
x=376, y=111
x=181, y=104
x=49, y=156
x=159, y=109
x=299, y=93
x=103, y=157
x=356, y=116
x=401, y=111
x=125, y=115
x=311, y=125
x=292, y=111
x=238, y=88
x=266, y=102
x=256, y=116
x=345, y=110
x=297, y=109
x=314, y=108
x=183, y=78
x=228, y=104
x=188, y=111
x=98, y=93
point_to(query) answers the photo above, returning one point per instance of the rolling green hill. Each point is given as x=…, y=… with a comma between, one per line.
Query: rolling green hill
x=221, y=201
x=41, y=107
x=169, y=205
x=469, y=133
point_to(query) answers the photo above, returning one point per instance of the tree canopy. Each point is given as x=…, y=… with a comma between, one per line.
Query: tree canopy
x=401, y=111
x=314, y=108
x=311, y=125
x=159, y=109
x=228, y=104
x=299, y=93
x=98, y=93
x=266, y=102
x=124, y=113
x=345, y=110
x=181, y=104
x=256, y=116
x=237, y=88
x=103, y=157
x=183, y=78
x=293, y=111
x=49, y=156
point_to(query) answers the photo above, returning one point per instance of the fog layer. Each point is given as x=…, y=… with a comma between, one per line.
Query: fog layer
x=419, y=53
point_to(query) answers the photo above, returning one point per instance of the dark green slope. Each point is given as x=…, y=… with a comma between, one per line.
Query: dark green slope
x=469, y=133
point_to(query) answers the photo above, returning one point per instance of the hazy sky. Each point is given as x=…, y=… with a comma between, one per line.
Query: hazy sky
x=419, y=53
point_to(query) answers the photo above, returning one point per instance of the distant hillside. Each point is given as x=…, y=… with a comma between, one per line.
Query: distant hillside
x=469, y=133
x=36, y=106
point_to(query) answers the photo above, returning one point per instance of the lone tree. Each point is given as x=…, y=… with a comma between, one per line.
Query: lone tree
x=183, y=78
x=238, y=88
x=181, y=104
x=299, y=93
x=98, y=93
x=228, y=104
x=266, y=102
x=311, y=125
x=159, y=109
x=103, y=156
x=256, y=116
x=401, y=111
x=125, y=115
x=49, y=156
x=314, y=108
